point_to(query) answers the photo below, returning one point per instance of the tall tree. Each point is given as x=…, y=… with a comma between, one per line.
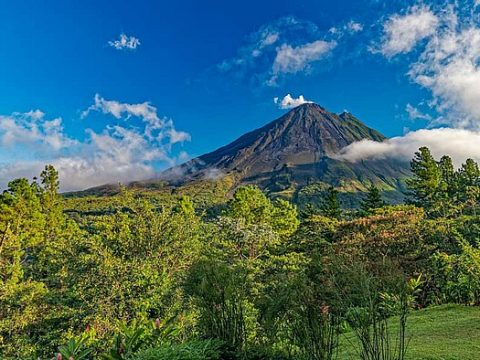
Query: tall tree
x=330, y=206
x=426, y=180
x=447, y=190
x=469, y=185
x=373, y=200
x=50, y=201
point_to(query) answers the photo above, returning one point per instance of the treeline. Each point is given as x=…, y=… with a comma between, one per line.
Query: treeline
x=253, y=279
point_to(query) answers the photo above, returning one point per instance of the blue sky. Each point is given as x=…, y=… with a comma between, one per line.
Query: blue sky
x=191, y=76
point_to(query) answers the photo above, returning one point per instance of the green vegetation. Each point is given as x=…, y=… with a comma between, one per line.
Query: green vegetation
x=184, y=274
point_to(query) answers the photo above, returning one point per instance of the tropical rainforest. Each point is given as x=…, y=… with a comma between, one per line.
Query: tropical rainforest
x=197, y=272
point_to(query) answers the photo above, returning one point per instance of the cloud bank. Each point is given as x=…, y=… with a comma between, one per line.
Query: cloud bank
x=458, y=143
x=119, y=153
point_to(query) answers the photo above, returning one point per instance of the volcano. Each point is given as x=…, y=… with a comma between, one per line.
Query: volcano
x=298, y=149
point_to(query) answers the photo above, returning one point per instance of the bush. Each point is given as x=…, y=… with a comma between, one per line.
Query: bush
x=457, y=276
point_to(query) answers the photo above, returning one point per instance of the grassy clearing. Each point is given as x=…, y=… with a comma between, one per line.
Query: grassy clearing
x=449, y=332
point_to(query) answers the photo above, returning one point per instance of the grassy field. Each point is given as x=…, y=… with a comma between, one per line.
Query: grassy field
x=448, y=332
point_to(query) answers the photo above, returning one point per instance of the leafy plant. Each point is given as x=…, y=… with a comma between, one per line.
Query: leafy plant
x=75, y=349
x=135, y=336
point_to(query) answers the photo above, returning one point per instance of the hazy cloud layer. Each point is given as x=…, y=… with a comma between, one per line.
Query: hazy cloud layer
x=115, y=154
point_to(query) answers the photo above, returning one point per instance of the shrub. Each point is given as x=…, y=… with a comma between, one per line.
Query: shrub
x=457, y=276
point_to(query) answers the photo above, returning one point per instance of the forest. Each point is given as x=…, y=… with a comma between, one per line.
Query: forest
x=190, y=274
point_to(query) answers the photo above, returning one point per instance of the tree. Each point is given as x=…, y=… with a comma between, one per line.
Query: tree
x=373, y=200
x=284, y=218
x=309, y=210
x=251, y=205
x=426, y=180
x=330, y=206
x=50, y=184
x=447, y=190
x=21, y=297
x=469, y=185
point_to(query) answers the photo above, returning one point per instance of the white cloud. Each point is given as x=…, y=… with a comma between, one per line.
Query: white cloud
x=414, y=113
x=403, y=32
x=288, y=102
x=291, y=59
x=267, y=39
x=287, y=45
x=125, y=42
x=449, y=68
x=354, y=26
x=448, y=64
x=460, y=144
x=33, y=131
x=115, y=154
x=351, y=27
x=157, y=128
x=261, y=43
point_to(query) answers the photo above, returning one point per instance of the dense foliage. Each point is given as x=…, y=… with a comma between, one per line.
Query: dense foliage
x=135, y=275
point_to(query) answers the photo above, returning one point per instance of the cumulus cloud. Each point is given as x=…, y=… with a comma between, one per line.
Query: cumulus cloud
x=460, y=144
x=125, y=42
x=447, y=64
x=33, y=130
x=403, y=32
x=449, y=68
x=115, y=154
x=291, y=59
x=288, y=102
x=156, y=127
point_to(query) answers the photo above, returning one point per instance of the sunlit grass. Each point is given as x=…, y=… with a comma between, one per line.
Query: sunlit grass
x=449, y=332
